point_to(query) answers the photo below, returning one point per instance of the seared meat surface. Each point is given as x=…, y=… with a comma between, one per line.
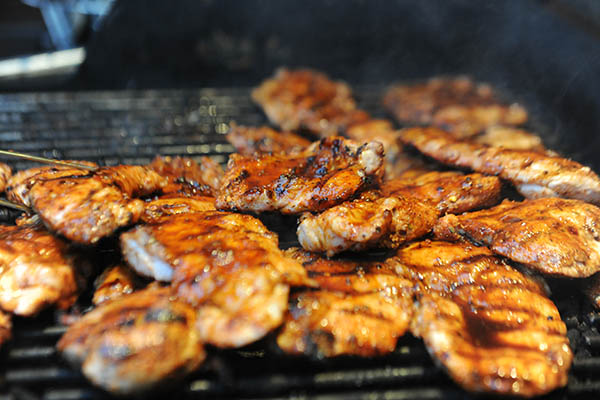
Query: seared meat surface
x=187, y=176
x=535, y=175
x=5, y=174
x=228, y=265
x=511, y=138
x=5, y=327
x=554, y=236
x=361, y=308
x=114, y=282
x=135, y=342
x=249, y=140
x=325, y=174
x=370, y=221
x=174, y=204
x=490, y=326
x=450, y=191
x=36, y=271
x=458, y=105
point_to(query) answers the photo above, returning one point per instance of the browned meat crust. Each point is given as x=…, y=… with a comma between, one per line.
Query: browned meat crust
x=512, y=138
x=457, y=104
x=35, y=271
x=5, y=174
x=5, y=327
x=553, y=236
x=135, y=342
x=534, y=175
x=249, y=140
x=327, y=173
x=360, y=309
x=187, y=176
x=174, y=204
x=113, y=283
x=370, y=221
x=490, y=326
x=450, y=192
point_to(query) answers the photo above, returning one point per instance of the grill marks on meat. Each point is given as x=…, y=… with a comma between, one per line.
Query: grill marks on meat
x=228, y=265
x=327, y=173
x=135, y=342
x=187, y=176
x=489, y=325
x=359, y=309
x=249, y=140
x=114, y=282
x=174, y=204
x=35, y=271
x=370, y=221
x=5, y=174
x=535, y=175
x=450, y=192
x=5, y=327
x=457, y=104
x=512, y=138
x=554, y=236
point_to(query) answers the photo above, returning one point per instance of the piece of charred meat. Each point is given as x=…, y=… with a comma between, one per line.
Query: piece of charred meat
x=553, y=236
x=135, y=342
x=5, y=327
x=5, y=174
x=361, y=308
x=227, y=265
x=113, y=283
x=511, y=138
x=450, y=191
x=535, y=175
x=85, y=207
x=327, y=173
x=187, y=176
x=492, y=327
x=457, y=104
x=36, y=271
x=250, y=140
x=173, y=204
x=367, y=222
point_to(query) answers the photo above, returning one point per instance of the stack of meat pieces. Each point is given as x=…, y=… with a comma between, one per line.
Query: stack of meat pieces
x=459, y=268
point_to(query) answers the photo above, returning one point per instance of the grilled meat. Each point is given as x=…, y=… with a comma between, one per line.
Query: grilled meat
x=534, y=175
x=325, y=174
x=490, y=326
x=36, y=271
x=174, y=204
x=135, y=342
x=5, y=327
x=87, y=207
x=370, y=221
x=512, y=138
x=553, y=236
x=187, y=176
x=113, y=283
x=457, y=104
x=450, y=192
x=248, y=140
x=228, y=265
x=360, y=309
x=5, y=174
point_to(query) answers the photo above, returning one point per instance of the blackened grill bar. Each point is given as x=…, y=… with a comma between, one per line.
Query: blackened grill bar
x=132, y=127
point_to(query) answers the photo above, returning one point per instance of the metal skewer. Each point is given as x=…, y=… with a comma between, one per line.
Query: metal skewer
x=48, y=160
x=15, y=206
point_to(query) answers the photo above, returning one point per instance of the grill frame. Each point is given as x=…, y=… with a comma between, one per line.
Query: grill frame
x=112, y=127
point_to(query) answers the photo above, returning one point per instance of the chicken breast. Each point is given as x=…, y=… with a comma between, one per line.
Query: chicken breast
x=5, y=174
x=135, y=342
x=512, y=138
x=534, y=175
x=174, y=204
x=327, y=173
x=36, y=271
x=115, y=282
x=450, y=191
x=457, y=105
x=249, y=140
x=370, y=221
x=492, y=327
x=187, y=176
x=553, y=236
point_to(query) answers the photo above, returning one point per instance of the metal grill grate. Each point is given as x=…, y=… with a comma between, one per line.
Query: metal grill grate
x=132, y=127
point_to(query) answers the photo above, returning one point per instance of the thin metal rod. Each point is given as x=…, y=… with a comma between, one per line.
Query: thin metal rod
x=15, y=206
x=48, y=160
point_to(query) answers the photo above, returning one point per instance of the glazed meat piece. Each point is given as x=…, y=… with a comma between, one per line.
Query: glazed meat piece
x=5, y=327
x=249, y=140
x=450, y=191
x=534, y=175
x=188, y=176
x=327, y=173
x=553, y=236
x=228, y=265
x=174, y=204
x=361, y=308
x=36, y=271
x=5, y=174
x=307, y=99
x=489, y=325
x=113, y=283
x=457, y=105
x=87, y=207
x=511, y=138
x=370, y=221
x=135, y=342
